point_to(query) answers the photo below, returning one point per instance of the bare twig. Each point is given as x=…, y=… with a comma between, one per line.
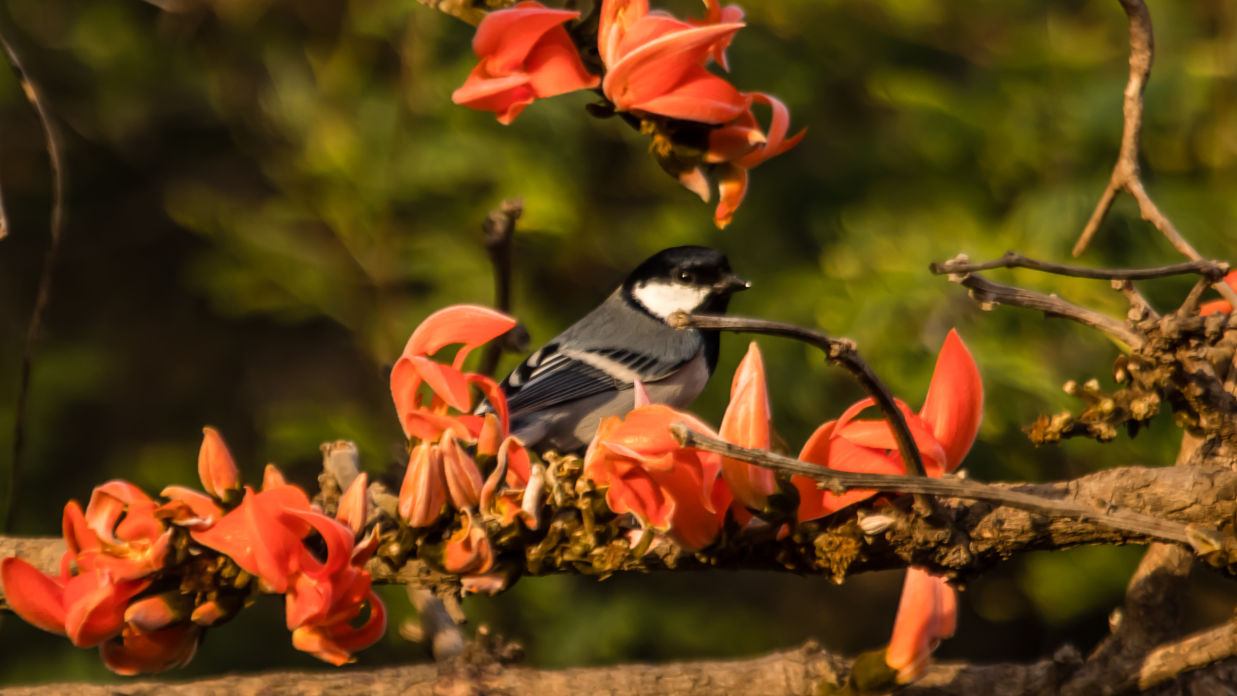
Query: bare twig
x=987, y=293
x=840, y=351
x=51, y=135
x=1125, y=173
x=499, y=230
x=840, y=482
x=1212, y=270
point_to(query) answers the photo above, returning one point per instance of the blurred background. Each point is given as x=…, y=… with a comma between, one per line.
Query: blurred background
x=266, y=196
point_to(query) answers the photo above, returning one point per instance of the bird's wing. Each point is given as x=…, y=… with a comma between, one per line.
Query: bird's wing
x=553, y=376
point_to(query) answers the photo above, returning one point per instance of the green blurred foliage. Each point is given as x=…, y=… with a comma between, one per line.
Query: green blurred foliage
x=266, y=197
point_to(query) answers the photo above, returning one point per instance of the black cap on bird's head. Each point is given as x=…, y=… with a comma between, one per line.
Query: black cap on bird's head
x=685, y=278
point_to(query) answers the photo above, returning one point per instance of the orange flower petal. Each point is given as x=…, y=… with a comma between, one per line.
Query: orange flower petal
x=37, y=598
x=732, y=189
x=216, y=468
x=145, y=652
x=423, y=492
x=927, y=613
x=460, y=472
x=955, y=401
x=354, y=504
x=746, y=423
x=472, y=325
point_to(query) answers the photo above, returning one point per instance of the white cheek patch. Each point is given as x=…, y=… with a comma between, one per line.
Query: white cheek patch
x=664, y=299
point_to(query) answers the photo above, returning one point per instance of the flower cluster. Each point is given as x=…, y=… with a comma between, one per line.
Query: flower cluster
x=656, y=73
x=112, y=589
x=687, y=493
x=451, y=444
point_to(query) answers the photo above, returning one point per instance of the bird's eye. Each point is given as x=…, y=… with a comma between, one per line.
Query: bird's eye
x=685, y=276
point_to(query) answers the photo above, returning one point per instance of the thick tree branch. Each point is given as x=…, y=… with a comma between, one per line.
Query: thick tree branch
x=806, y=671
x=846, y=543
x=840, y=482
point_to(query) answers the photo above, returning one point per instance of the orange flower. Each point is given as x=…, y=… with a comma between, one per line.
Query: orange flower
x=655, y=63
x=471, y=325
x=525, y=54
x=927, y=614
x=1221, y=306
x=740, y=146
x=645, y=472
x=119, y=532
x=265, y=535
x=88, y=607
x=145, y=652
x=746, y=423
x=943, y=431
x=469, y=551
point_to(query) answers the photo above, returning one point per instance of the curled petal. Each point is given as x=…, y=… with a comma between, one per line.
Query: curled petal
x=776, y=140
x=468, y=551
x=446, y=382
x=335, y=643
x=493, y=394
x=258, y=536
x=37, y=598
x=471, y=325
x=148, y=653
x=188, y=508
x=83, y=542
x=491, y=436
x=518, y=463
x=157, y=611
x=955, y=401
x=216, y=468
x=927, y=613
x=95, y=606
x=732, y=189
x=145, y=652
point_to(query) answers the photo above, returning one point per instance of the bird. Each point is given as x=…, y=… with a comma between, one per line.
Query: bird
x=559, y=394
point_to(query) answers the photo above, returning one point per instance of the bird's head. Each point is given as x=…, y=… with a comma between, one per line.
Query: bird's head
x=683, y=279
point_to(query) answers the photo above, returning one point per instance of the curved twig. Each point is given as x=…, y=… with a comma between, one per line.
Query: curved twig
x=1212, y=270
x=840, y=351
x=1125, y=173
x=51, y=135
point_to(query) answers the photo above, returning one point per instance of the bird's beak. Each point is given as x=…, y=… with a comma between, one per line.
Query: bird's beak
x=730, y=283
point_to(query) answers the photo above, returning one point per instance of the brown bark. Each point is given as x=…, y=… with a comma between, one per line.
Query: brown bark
x=806, y=671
